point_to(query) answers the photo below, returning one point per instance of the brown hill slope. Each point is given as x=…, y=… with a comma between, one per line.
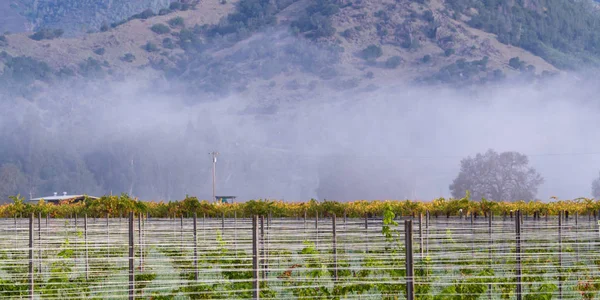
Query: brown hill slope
x=376, y=42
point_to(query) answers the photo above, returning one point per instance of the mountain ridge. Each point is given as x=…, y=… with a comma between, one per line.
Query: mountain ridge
x=453, y=52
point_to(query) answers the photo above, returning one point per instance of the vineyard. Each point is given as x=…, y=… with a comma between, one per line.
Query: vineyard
x=445, y=249
x=120, y=206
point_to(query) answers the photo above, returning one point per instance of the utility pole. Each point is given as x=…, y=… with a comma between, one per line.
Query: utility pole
x=214, y=159
x=132, y=179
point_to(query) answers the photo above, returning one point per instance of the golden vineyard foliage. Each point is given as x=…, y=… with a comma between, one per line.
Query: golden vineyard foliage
x=115, y=206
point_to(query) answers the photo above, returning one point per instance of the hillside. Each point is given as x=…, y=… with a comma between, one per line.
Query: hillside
x=265, y=59
x=228, y=47
x=73, y=16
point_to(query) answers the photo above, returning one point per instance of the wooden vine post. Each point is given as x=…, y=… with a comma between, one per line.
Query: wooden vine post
x=255, y=260
x=131, y=254
x=31, y=274
x=518, y=253
x=410, y=284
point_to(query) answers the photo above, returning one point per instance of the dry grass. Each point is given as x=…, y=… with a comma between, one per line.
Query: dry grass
x=126, y=38
x=469, y=43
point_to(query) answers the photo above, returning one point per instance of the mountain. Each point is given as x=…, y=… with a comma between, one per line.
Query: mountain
x=66, y=63
x=359, y=44
x=74, y=17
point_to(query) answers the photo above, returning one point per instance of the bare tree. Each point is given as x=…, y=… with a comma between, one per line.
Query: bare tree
x=596, y=188
x=497, y=176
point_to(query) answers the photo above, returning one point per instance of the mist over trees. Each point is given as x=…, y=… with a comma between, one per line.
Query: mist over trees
x=596, y=188
x=76, y=141
x=504, y=176
x=344, y=177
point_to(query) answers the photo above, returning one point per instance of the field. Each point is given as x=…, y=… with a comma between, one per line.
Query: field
x=455, y=257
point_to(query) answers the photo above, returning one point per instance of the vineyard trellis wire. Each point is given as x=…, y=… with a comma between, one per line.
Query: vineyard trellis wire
x=461, y=257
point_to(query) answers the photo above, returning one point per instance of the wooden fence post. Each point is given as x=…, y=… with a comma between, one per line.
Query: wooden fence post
x=39, y=222
x=235, y=233
x=560, y=281
x=131, y=253
x=317, y=230
x=427, y=215
x=107, y=237
x=334, y=241
x=472, y=235
x=305, y=222
x=421, y=235
x=85, y=234
x=255, y=260
x=518, y=253
x=195, y=247
x=491, y=242
x=181, y=231
x=262, y=246
x=576, y=237
x=367, y=233
x=410, y=288
x=31, y=256
x=140, y=244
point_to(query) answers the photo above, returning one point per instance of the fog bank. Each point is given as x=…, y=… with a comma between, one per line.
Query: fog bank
x=398, y=142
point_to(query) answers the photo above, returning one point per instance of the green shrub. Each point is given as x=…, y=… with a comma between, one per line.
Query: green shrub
x=461, y=71
x=347, y=33
x=144, y=15
x=175, y=5
x=448, y=52
x=65, y=72
x=393, y=62
x=381, y=30
x=168, y=43
x=91, y=68
x=160, y=28
x=382, y=15
x=164, y=11
x=426, y=58
x=428, y=16
x=176, y=22
x=128, y=57
x=46, y=34
x=371, y=53
x=99, y=51
x=497, y=74
x=104, y=27
x=516, y=63
x=116, y=24
x=188, y=40
x=150, y=47
x=3, y=41
x=24, y=70
x=316, y=22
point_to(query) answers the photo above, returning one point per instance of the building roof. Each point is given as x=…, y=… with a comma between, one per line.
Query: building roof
x=60, y=198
